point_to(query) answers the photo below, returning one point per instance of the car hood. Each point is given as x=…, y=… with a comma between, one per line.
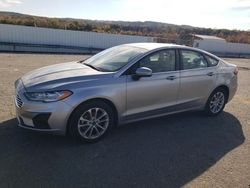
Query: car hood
x=53, y=76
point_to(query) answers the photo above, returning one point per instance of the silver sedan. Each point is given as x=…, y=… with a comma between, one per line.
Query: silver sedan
x=123, y=84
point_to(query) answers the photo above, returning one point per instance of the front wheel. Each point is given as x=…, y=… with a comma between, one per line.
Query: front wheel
x=91, y=121
x=216, y=102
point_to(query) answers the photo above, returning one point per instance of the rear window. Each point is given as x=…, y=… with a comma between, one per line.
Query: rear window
x=211, y=61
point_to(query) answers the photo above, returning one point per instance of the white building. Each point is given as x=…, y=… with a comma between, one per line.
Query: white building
x=220, y=46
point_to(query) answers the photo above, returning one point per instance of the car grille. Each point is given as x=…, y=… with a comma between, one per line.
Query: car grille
x=19, y=101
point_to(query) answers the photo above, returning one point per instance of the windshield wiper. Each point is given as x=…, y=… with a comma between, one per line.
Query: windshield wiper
x=81, y=61
x=91, y=66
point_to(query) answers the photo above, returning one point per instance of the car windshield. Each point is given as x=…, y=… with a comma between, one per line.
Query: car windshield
x=113, y=59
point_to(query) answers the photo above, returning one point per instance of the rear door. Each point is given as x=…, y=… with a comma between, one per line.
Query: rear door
x=152, y=95
x=197, y=79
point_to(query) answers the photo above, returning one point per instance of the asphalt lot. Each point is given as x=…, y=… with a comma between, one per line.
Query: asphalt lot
x=184, y=150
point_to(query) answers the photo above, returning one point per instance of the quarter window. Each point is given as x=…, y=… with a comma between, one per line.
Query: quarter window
x=211, y=61
x=161, y=61
x=192, y=60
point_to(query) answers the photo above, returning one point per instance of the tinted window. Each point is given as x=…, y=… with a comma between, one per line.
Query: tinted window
x=211, y=61
x=161, y=61
x=192, y=60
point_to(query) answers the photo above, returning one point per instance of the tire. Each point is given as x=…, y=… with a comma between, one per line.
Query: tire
x=91, y=121
x=216, y=102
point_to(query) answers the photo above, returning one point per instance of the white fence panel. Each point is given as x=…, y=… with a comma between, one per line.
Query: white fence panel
x=46, y=36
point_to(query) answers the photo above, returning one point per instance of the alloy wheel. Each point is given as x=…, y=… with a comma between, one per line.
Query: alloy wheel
x=217, y=102
x=93, y=123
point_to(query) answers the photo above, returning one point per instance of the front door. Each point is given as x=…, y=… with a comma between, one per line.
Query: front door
x=151, y=95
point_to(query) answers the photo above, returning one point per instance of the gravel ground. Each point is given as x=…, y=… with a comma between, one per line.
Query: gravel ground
x=184, y=150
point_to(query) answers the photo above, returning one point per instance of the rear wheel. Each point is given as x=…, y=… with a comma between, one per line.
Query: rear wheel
x=216, y=102
x=91, y=121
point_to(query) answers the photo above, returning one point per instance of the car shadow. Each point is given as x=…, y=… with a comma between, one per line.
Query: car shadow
x=163, y=152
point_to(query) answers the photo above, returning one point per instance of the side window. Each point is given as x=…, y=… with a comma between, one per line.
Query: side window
x=161, y=61
x=192, y=60
x=211, y=61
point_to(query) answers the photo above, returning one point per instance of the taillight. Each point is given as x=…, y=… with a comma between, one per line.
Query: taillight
x=236, y=70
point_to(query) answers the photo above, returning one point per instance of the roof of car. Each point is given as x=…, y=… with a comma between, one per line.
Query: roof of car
x=151, y=45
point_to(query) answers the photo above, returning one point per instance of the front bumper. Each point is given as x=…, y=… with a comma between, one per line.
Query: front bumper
x=40, y=116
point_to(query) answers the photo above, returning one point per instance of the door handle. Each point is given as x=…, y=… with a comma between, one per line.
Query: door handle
x=210, y=74
x=171, y=78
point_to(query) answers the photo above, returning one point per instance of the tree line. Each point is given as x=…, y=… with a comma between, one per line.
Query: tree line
x=162, y=31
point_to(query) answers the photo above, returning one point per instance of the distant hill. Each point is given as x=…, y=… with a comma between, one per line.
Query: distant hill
x=163, y=31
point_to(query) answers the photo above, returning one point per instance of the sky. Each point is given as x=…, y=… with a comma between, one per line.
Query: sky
x=228, y=14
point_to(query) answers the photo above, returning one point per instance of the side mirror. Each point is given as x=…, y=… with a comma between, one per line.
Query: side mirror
x=142, y=72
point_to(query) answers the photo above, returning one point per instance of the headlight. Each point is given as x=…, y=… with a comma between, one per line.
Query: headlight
x=50, y=96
